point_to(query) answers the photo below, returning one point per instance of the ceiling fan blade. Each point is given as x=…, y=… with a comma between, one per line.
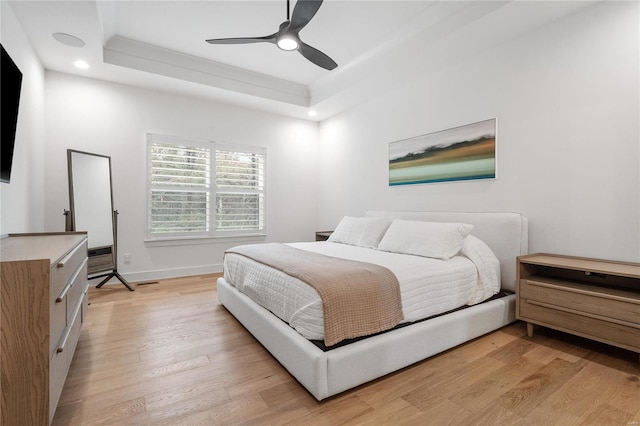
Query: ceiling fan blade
x=303, y=11
x=316, y=56
x=244, y=40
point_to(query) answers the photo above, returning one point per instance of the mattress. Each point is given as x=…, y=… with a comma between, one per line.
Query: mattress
x=428, y=286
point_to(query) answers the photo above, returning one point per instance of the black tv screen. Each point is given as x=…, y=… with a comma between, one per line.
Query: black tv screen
x=11, y=82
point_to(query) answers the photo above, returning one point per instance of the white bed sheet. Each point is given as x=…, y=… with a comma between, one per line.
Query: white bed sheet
x=428, y=286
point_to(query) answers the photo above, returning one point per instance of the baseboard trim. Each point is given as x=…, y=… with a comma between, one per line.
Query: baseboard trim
x=144, y=276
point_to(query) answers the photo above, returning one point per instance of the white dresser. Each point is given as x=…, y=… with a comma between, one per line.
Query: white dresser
x=43, y=293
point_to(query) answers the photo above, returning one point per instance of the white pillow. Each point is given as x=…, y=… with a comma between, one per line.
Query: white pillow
x=488, y=267
x=360, y=231
x=429, y=239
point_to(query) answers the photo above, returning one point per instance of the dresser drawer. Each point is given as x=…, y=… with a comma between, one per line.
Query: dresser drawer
x=61, y=358
x=58, y=368
x=57, y=323
x=62, y=271
x=75, y=333
x=76, y=290
x=85, y=305
x=67, y=340
x=598, y=328
x=613, y=304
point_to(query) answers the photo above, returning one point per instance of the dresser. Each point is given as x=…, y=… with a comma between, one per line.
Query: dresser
x=43, y=293
x=593, y=298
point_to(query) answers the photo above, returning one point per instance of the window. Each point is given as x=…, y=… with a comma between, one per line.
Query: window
x=204, y=189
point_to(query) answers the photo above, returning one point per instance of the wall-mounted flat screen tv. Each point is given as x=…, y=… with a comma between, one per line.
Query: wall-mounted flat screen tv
x=11, y=82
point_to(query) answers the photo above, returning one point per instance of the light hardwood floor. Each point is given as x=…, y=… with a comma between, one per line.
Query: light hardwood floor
x=168, y=353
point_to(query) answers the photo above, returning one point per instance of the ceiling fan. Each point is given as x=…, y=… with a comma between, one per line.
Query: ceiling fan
x=286, y=38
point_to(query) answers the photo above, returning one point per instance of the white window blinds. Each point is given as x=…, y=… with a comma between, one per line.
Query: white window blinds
x=239, y=190
x=185, y=176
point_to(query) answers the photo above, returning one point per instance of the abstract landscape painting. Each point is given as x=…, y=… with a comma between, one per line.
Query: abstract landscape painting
x=462, y=153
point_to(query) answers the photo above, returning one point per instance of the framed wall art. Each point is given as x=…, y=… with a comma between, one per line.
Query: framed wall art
x=462, y=153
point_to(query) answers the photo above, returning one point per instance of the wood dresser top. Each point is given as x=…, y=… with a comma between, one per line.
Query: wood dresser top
x=52, y=246
x=627, y=269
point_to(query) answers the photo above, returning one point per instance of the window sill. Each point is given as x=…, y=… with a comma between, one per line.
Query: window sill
x=189, y=241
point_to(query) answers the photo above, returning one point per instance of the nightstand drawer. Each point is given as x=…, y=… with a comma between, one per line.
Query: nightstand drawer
x=618, y=305
x=598, y=328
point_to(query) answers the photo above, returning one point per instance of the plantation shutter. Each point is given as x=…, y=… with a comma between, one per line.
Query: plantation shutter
x=179, y=189
x=239, y=190
x=187, y=176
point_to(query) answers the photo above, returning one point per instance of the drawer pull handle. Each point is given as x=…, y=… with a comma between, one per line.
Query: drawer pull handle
x=66, y=288
x=64, y=292
x=67, y=330
x=66, y=259
x=63, y=340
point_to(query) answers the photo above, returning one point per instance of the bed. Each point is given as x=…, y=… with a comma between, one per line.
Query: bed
x=328, y=372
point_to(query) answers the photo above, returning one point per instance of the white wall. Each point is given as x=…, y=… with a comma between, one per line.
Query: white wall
x=566, y=99
x=567, y=104
x=113, y=119
x=22, y=200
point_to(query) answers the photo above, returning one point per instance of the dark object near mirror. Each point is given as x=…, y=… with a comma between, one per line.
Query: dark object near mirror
x=91, y=204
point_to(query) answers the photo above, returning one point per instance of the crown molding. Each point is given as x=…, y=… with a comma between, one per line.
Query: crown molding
x=146, y=57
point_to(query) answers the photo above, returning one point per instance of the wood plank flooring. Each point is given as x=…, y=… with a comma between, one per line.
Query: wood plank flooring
x=169, y=354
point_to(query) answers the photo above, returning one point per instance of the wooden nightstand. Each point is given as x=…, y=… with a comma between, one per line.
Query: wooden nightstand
x=323, y=235
x=592, y=298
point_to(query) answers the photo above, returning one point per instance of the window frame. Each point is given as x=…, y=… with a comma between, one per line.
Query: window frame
x=212, y=191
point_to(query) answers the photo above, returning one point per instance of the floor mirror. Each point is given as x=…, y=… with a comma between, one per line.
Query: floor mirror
x=91, y=210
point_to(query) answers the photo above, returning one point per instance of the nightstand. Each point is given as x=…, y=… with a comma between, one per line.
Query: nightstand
x=323, y=235
x=593, y=298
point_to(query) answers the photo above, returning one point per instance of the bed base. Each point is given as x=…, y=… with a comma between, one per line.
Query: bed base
x=325, y=374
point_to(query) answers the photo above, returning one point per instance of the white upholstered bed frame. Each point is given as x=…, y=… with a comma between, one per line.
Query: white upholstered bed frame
x=325, y=374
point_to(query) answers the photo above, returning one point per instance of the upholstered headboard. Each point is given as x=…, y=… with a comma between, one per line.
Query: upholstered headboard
x=505, y=233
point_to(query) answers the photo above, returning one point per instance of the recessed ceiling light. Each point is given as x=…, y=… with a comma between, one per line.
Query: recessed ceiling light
x=312, y=113
x=83, y=65
x=68, y=39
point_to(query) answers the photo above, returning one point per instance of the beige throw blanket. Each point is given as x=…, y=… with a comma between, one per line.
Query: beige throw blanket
x=358, y=298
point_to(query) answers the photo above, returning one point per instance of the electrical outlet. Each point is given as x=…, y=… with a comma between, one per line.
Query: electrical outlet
x=127, y=258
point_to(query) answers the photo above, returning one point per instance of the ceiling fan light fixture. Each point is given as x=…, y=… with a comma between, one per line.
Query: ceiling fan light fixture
x=287, y=38
x=287, y=42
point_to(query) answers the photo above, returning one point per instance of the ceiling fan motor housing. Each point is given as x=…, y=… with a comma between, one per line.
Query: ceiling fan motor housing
x=287, y=40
